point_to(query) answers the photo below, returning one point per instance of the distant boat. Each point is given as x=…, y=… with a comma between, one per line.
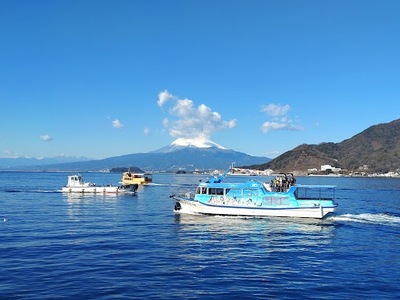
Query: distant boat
x=129, y=178
x=77, y=185
x=256, y=198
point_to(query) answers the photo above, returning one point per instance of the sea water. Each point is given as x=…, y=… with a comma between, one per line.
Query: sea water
x=62, y=246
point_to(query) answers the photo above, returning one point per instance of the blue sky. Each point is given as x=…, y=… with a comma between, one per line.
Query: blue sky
x=108, y=78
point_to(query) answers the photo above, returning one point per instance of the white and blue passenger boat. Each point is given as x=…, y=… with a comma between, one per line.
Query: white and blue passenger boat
x=256, y=198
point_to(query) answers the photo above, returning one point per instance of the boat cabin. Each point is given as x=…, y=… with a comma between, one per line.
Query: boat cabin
x=247, y=189
x=136, y=178
x=259, y=190
x=76, y=180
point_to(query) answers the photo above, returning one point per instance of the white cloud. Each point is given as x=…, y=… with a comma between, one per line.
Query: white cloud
x=165, y=122
x=163, y=97
x=46, y=138
x=188, y=121
x=268, y=126
x=275, y=110
x=146, y=131
x=279, y=119
x=232, y=123
x=11, y=154
x=117, y=124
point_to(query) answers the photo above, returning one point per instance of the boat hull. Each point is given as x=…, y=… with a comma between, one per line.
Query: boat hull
x=101, y=189
x=91, y=190
x=196, y=207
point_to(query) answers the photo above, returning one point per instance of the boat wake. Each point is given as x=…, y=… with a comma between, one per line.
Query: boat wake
x=156, y=184
x=187, y=186
x=380, y=219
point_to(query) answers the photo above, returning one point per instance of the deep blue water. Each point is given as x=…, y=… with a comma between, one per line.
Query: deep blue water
x=55, y=246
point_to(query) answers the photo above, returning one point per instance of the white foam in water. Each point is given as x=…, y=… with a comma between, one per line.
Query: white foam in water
x=383, y=219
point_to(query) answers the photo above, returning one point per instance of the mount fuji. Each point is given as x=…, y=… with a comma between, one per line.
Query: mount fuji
x=182, y=143
x=181, y=154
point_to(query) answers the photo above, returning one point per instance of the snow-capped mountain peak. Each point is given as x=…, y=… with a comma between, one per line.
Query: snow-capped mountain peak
x=197, y=142
x=180, y=143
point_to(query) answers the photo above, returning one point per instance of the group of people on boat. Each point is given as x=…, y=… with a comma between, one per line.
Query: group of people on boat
x=281, y=183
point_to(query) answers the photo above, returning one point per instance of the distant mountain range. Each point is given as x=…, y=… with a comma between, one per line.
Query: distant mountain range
x=376, y=149
x=11, y=163
x=182, y=154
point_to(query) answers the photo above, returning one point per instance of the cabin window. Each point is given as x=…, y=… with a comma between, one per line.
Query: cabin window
x=234, y=192
x=216, y=191
x=201, y=190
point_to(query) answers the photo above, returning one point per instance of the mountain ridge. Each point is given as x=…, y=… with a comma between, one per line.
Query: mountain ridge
x=174, y=157
x=7, y=163
x=375, y=149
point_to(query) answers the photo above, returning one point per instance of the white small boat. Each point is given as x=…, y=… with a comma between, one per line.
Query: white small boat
x=77, y=185
x=255, y=198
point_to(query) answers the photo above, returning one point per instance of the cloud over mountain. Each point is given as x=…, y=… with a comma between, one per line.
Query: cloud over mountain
x=186, y=120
